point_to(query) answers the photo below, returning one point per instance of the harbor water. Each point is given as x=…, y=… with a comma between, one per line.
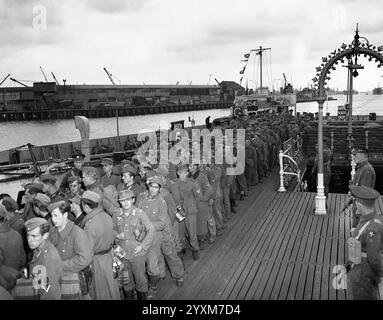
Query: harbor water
x=13, y=134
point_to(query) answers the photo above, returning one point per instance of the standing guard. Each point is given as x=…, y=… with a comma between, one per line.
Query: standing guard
x=365, y=246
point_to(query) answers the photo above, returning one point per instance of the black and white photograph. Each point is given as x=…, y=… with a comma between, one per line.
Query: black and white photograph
x=207, y=153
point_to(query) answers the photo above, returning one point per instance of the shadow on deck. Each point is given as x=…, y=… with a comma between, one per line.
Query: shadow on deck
x=274, y=248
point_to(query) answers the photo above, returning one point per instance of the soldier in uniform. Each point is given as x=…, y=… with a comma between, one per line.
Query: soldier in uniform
x=12, y=253
x=365, y=276
x=78, y=162
x=129, y=182
x=130, y=224
x=364, y=175
x=108, y=195
x=187, y=200
x=75, y=191
x=71, y=242
x=153, y=204
x=50, y=188
x=46, y=263
x=109, y=178
x=98, y=225
x=205, y=220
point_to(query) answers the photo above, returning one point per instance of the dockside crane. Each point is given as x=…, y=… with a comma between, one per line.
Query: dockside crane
x=110, y=76
x=55, y=78
x=14, y=80
x=5, y=79
x=42, y=71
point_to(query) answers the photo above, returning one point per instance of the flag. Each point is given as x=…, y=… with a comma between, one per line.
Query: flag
x=247, y=55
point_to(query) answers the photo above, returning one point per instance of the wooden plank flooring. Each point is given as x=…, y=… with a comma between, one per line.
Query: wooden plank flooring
x=274, y=248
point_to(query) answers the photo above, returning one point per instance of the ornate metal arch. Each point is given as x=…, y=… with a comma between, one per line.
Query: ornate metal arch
x=359, y=46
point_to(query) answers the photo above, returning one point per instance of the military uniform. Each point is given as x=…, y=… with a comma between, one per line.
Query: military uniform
x=364, y=176
x=47, y=256
x=73, y=246
x=108, y=197
x=163, y=242
x=98, y=225
x=364, y=277
x=135, y=187
x=112, y=179
x=126, y=223
x=188, y=196
x=204, y=208
x=74, y=172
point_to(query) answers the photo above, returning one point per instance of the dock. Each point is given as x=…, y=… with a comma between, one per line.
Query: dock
x=106, y=112
x=274, y=248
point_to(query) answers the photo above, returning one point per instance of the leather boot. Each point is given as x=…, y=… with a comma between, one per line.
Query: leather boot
x=142, y=295
x=202, y=244
x=128, y=294
x=153, y=281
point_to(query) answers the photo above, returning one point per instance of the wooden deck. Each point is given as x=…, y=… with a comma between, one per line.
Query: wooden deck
x=274, y=248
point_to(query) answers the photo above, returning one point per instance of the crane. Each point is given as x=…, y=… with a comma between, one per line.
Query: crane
x=110, y=76
x=284, y=76
x=54, y=78
x=14, y=80
x=5, y=79
x=42, y=71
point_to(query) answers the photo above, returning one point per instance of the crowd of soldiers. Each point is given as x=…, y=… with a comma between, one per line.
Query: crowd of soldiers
x=112, y=234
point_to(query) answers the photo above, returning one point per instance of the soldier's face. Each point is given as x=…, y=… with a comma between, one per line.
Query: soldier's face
x=74, y=187
x=59, y=220
x=78, y=164
x=126, y=203
x=183, y=175
x=35, y=239
x=127, y=178
x=107, y=168
x=87, y=180
x=154, y=189
x=359, y=157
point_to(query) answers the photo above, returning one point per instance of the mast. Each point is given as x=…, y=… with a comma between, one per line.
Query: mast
x=260, y=52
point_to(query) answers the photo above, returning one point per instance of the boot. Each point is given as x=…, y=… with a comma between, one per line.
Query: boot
x=142, y=295
x=128, y=294
x=153, y=281
x=202, y=244
x=180, y=282
x=195, y=255
x=242, y=197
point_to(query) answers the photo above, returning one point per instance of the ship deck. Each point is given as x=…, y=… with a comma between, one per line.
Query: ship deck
x=274, y=248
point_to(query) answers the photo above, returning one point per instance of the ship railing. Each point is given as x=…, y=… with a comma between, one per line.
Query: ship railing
x=290, y=159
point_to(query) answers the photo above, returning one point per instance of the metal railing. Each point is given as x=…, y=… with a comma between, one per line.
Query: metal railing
x=292, y=152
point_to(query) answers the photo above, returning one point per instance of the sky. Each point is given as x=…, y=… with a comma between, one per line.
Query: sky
x=193, y=41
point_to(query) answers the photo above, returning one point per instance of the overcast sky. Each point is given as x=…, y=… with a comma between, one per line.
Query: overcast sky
x=166, y=41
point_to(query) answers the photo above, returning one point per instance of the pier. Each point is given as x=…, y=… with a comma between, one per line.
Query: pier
x=60, y=114
x=274, y=248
